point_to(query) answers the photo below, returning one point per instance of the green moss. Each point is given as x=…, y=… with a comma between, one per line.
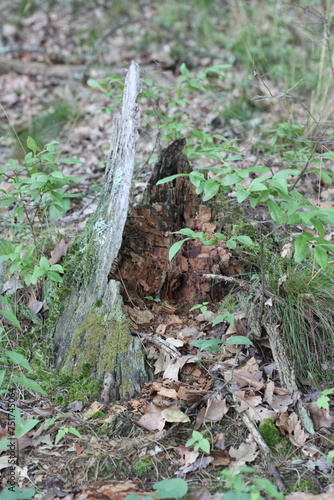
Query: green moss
x=98, y=341
x=97, y=414
x=269, y=432
x=98, y=303
x=142, y=467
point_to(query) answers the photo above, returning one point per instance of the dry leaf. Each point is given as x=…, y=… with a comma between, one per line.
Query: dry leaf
x=215, y=409
x=187, y=456
x=173, y=414
x=94, y=407
x=329, y=495
x=59, y=251
x=245, y=453
x=321, y=418
x=246, y=399
x=152, y=420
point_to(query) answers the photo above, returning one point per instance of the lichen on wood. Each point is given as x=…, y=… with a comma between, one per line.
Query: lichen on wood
x=86, y=322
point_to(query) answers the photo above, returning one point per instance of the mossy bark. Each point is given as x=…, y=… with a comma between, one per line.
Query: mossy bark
x=86, y=323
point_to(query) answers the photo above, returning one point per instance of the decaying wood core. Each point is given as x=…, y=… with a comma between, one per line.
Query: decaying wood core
x=144, y=268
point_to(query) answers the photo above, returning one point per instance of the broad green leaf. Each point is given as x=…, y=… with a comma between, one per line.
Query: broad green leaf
x=4, y=445
x=175, y=248
x=301, y=248
x=69, y=161
x=276, y=212
x=2, y=376
x=231, y=244
x=321, y=256
x=171, y=488
x=323, y=402
x=54, y=276
x=267, y=486
x=15, y=493
x=60, y=434
x=73, y=430
x=246, y=240
x=204, y=445
x=6, y=247
x=11, y=317
x=238, y=340
x=208, y=345
x=24, y=426
x=211, y=188
x=29, y=384
x=19, y=359
x=230, y=179
x=44, y=263
x=171, y=178
x=187, y=232
x=31, y=143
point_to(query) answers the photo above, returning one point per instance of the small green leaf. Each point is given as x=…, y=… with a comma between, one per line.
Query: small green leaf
x=204, y=445
x=19, y=359
x=73, y=430
x=171, y=488
x=175, y=248
x=24, y=426
x=15, y=493
x=171, y=178
x=301, y=248
x=60, y=434
x=321, y=256
x=29, y=384
x=11, y=317
x=323, y=402
x=2, y=376
x=31, y=143
x=238, y=340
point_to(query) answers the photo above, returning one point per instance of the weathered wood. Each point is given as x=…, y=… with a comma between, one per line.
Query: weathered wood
x=144, y=267
x=86, y=320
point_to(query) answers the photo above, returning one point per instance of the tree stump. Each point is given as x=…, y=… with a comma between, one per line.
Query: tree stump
x=86, y=323
x=144, y=267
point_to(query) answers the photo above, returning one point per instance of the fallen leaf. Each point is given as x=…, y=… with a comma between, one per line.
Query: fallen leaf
x=187, y=456
x=174, y=414
x=59, y=251
x=152, y=420
x=329, y=495
x=215, y=409
x=244, y=454
x=321, y=418
x=94, y=407
x=246, y=399
x=75, y=406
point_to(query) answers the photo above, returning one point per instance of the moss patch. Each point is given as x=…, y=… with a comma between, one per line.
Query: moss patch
x=98, y=341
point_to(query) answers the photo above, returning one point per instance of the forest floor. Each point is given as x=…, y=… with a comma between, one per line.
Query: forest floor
x=51, y=57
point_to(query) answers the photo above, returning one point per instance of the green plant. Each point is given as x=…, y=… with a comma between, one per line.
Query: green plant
x=141, y=467
x=155, y=299
x=215, y=344
x=35, y=197
x=63, y=431
x=323, y=401
x=169, y=488
x=199, y=442
x=270, y=432
x=202, y=307
x=15, y=493
x=250, y=490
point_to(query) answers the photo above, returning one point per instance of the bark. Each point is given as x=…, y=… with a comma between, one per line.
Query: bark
x=144, y=267
x=86, y=321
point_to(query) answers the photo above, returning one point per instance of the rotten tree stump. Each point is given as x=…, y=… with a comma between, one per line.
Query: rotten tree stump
x=144, y=267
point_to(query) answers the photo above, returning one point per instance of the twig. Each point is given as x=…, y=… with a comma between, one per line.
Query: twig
x=265, y=450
